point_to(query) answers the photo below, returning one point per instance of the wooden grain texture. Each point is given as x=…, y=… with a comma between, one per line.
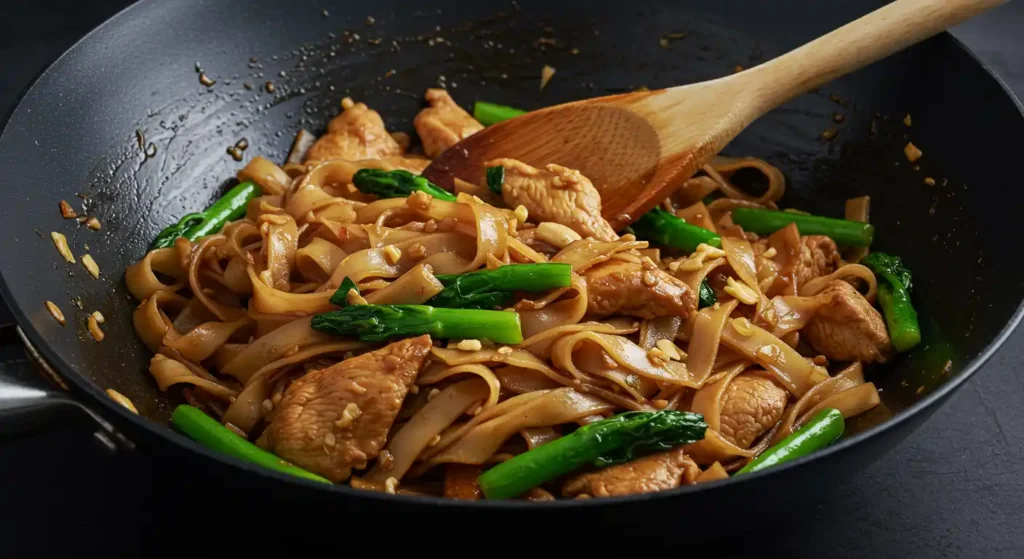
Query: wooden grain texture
x=637, y=147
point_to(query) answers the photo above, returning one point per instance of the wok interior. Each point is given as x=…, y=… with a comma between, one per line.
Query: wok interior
x=948, y=234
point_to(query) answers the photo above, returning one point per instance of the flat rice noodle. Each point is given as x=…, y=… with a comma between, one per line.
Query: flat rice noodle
x=584, y=254
x=849, y=378
x=525, y=253
x=792, y=370
x=538, y=344
x=536, y=436
x=740, y=255
x=517, y=358
x=518, y=380
x=790, y=313
x=697, y=214
x=141, y=276
x=455, y=432
x=434, y=417
x=569, y=310
x=271, y=178
x=708, y=400
x=204, y=340
x=207, y=246
x=595, y=362
x=317, y=260
x=436, y=376
x=317, y=350
x=857, y=209
x=415, y=287
x=714, y=472
x=194, y=314
x=563, y=405
x=168, y=372
x=693, y=279
x=246, y=411
x=694, y=190
x=722, y=168
x=446, y=253
x=624, y=352
x=480, y=191
x=817, y=284
x=290, y=337
x=708, y=324
x=236, y=278
x=659, y=328
x=280, y=241
x=850, y=402
x=150, y=317
x=788, y=250
x=268, y=300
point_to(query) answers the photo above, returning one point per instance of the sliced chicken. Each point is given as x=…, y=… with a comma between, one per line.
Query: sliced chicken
x=751, y=406
x=335, y=420
x=557, y=194
x=355, y=134
x=619, y=287
x=846, y=326
x=819, y=256
x=444, y=123
x=656, y=472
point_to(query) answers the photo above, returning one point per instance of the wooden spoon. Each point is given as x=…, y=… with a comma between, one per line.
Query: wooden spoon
x=638, y=147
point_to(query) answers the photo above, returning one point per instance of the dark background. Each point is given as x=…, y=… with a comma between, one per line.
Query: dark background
x=953, y=489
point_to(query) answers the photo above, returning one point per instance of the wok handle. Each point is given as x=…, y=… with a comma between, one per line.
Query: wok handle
x=29, y=404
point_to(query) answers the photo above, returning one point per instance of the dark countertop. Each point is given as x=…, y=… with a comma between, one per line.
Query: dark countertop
x=953, y=489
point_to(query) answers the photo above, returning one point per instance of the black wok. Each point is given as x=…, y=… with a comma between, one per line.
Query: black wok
x=74, y=133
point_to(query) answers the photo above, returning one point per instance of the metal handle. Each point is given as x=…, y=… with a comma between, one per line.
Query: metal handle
x=28, y=403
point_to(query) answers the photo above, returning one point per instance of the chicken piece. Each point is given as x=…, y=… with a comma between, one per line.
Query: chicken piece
x=620, y=287
x=656, y=472
x=557, y=194
x=336, y=419
x=357, y=133
x=751, y=406
x=846, y=326
x=444, y=123
x=819, y=256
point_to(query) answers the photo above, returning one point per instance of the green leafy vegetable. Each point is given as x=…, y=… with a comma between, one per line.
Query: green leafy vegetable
x=662, y=227
x=706, y=295
x=766, y=222
x=377, y=323
x=208, y=432
x=229, y=207
x=340, y=296
x=610, y=441
x=816, y=434
x=397, y=184
x=490, y=113
x=495, y=178
x=894, y=298
x=492, y=288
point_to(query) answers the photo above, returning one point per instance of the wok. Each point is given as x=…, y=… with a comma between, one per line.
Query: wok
x=122, y=126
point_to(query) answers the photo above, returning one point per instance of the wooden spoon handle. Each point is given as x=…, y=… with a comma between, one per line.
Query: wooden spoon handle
x=857, y=44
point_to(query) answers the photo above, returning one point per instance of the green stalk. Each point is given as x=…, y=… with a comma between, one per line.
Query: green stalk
x=766, y=222
x=229, y=207
x=815, y=435
x=494, y=287
x=495, y=178
x=490, y=113
x=706, y=295
x=894, y=299
x=377, y=323
x=614, y=440
x=397, y=184
x=208, y=432
x=666, y=229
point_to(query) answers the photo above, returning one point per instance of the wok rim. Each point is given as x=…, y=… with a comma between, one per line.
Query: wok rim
x=66, y=372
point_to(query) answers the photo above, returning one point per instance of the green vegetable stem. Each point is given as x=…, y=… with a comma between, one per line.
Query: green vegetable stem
x=229, y=207
x=397, y=184
x=486, y=289
x=894, y=298
x=766, y=222
x=208, y=432
x=376, y=323
x=815, y=435
x=490, y=113
x=610, y=441
x=664, y=228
